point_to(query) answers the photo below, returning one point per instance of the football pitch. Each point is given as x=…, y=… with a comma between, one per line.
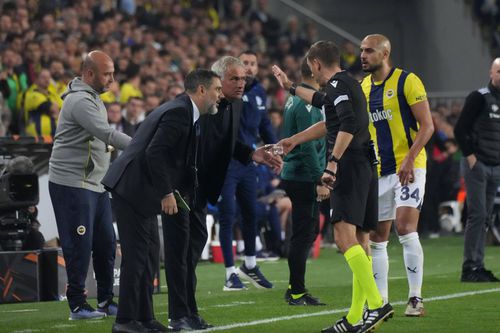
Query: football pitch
x=451, y=306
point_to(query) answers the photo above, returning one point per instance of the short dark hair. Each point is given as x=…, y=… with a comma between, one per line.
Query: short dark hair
x=199, y=77
x=305, y=70
x=248, y=52
x=325, y=51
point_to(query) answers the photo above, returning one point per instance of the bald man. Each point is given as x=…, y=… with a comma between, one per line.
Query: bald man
x=478, y=135
x=79, y=160
x=400, y=125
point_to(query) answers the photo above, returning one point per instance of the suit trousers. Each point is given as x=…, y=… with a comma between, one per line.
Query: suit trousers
x=140, y=245
x=85, y=229
x=305, y=228
x=185, y=235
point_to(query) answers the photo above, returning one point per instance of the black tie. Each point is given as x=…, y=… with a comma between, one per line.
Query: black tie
x=196, y=145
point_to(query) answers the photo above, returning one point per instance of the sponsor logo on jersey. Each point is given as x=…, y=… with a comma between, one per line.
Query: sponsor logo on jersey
x=334, y=83
x=380, y=115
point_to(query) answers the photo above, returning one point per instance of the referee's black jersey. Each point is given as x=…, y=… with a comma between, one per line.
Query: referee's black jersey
x=345, y=110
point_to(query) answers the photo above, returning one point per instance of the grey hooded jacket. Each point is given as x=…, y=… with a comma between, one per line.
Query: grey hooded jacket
x=79, y=155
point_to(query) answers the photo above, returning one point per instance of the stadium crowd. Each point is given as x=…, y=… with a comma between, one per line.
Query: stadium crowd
x=154, y=44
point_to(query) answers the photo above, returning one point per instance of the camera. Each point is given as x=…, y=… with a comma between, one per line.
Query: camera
x=18, y=191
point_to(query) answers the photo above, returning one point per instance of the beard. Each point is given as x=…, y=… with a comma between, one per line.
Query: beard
x=100, y=88
x=213, y=110
x=371, y=68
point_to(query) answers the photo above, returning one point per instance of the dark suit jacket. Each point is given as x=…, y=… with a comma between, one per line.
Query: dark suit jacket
x=158, y=160
x=219, y=143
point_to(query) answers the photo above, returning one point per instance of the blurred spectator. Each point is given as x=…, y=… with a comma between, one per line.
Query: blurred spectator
x=173, y=90
x=134, y=110
x=298, y=43
x=57, y=83
x=116, y=120
x=32, y=64
x=151, y=102
x=350, y=60
x=17, y=82
x=276, y=118
x=271, y=26
x=40, y=106
x=131, y=88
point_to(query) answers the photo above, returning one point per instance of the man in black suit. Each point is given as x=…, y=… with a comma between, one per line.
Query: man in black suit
x=160, y=161
x=185, y=234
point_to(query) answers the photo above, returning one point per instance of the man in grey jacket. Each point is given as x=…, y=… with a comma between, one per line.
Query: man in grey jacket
x=80, y=158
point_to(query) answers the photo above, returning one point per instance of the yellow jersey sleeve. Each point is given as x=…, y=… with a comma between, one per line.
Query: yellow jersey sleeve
x=414, y=90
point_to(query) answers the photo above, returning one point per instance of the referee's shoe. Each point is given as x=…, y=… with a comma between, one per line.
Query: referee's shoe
x=254, y=276
x=342, y=326
x=373, y=318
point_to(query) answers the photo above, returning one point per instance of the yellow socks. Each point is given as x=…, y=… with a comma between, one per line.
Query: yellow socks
x=362, y=270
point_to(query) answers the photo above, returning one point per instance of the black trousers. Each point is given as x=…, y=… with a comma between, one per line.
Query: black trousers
x=185, y=235
x=140, y=246
x=305, y=228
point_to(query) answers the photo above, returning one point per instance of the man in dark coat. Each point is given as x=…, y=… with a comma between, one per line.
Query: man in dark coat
x=149, y=178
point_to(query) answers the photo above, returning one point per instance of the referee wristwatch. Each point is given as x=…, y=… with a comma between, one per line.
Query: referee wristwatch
x=332, y=158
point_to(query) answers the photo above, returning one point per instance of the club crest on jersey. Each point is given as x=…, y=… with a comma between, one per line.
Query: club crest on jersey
x=389, y=93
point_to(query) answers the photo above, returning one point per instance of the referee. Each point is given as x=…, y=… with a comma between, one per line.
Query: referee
x=350, y=174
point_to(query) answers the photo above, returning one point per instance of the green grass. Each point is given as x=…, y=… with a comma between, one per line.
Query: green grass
x=328, y=278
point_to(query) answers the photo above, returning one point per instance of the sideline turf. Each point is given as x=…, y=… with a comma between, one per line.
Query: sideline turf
x=328, y=278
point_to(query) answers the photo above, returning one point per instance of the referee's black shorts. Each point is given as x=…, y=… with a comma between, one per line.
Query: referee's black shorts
x=354, y=198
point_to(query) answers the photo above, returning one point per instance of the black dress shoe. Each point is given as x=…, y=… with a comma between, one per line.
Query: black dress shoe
x=199, y=323
x=154, y=326
x=176, y=325
x=130, y=327
x=478, y=275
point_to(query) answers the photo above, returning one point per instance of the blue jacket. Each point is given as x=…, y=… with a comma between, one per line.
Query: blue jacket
x=254, y=121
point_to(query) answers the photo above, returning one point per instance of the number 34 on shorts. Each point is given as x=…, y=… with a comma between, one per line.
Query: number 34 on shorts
x=393, y=195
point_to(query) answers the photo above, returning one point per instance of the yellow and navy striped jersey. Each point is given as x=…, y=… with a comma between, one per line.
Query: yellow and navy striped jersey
x=392, y=124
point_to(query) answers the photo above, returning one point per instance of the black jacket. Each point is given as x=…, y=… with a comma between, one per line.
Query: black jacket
x=219, y=143
x=478, y=127
x=159, y=159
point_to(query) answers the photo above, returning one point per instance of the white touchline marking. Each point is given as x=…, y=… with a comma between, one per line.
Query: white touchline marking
x=63, y=326
x=22, y=310
x=322, y=313
x=232, y=304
